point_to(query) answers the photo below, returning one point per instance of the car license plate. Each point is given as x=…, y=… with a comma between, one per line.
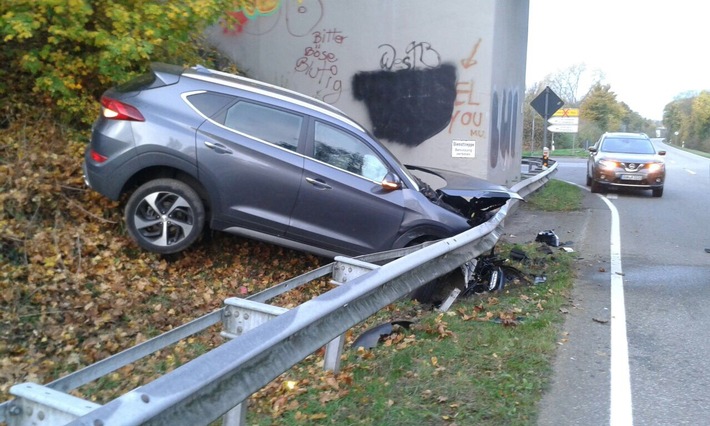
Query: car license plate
x=631, y=177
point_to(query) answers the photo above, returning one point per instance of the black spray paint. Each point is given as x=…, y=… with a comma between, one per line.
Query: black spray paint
x=408, y=106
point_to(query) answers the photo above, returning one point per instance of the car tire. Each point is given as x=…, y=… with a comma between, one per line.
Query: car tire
x=165, y=216
x=589, y=180
x=657, y=192
x=595, y=187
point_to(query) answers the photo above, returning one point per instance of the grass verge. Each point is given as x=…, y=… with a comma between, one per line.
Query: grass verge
x=487, y=361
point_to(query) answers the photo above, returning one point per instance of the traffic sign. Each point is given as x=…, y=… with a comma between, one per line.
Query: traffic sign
x=546, y=103
x=563, y=128
x=563, y=120
x=566, y=112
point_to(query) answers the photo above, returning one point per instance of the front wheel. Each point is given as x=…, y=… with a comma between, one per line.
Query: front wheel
x=165, y=216
x=596, y=187
x=657, y=192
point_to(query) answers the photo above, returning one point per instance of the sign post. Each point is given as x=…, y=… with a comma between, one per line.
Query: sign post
x=546, y=104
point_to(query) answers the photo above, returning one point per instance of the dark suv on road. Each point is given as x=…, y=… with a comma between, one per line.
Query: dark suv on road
x=194, y=146
x=626, y=160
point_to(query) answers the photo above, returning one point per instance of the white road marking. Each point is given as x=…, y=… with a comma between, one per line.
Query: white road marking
x=621, y=404
x=621, y=408
x=689, y=171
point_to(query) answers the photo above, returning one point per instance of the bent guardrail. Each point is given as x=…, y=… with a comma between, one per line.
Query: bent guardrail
x=212, y=385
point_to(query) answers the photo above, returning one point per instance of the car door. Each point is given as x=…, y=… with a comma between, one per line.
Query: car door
x=247, y=157
x=342, y=205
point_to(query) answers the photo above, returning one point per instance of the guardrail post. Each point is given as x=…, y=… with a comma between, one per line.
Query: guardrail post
x=36, y=404
x=238, y=317
x=344, y=269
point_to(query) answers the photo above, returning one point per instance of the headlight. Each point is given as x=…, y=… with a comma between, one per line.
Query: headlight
x=608, y=164
x=655, y=167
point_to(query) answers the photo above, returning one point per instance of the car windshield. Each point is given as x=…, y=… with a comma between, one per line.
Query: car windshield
x=627, y=146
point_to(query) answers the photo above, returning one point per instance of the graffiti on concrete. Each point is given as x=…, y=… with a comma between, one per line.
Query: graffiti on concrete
x=301, y=16
x=504, y=124
x=471, y=61
x=407, y=106
x=415, y=55
x=467, y=113
x=320, y=63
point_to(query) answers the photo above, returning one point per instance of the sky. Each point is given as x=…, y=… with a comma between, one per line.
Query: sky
x=649, y=51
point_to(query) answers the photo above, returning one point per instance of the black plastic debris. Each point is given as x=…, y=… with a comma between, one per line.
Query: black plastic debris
x=518, y=255
x=549, y=238
x=372, y=336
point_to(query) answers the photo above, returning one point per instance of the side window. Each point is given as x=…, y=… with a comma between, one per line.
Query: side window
x=344, y=151
x=268, y=124
x=209, y=103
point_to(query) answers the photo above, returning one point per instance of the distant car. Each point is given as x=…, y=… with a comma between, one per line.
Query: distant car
x=194, y=146
x=628, y=160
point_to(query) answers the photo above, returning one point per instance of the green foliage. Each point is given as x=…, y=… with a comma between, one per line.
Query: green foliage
x=64, y=53
x=601, y=107
x=690, y=117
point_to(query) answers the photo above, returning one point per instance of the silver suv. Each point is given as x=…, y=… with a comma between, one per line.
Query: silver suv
x=194, y=146
x=626, y=160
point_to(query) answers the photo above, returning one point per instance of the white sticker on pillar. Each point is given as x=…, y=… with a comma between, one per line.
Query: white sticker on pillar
x=463, y=149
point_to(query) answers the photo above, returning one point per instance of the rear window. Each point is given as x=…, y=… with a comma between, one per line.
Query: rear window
x=210, y=103
x=268, y=124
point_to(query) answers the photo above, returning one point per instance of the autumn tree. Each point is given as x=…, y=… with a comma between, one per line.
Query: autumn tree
x=601, y=112
x=699, y=122
x=675, y=118
x=64, y=53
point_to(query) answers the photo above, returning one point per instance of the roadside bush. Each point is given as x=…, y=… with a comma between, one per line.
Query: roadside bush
x=62, y=54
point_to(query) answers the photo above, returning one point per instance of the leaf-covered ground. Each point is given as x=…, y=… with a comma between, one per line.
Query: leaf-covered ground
x=74, y=289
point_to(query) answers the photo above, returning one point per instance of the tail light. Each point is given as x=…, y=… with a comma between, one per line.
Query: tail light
x=117, y=110
x=97, y=157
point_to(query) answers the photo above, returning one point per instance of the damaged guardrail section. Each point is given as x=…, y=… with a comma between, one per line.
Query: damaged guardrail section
x=212, y=385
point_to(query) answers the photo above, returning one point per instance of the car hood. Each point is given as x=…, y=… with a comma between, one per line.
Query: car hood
x=631, y=158
x=463, y=185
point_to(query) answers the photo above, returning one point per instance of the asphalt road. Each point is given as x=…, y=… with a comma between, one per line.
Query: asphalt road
x=635, y=348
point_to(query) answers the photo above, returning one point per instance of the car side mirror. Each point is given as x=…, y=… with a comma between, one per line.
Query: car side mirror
x=661, y=152
x=592, y=149
x=391, y=182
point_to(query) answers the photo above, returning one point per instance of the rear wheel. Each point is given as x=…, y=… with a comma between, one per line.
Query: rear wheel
x=165, y=216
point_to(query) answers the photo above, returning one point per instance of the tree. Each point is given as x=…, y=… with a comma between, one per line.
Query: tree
x=64, y=53
x=675, y=118
x=601, y=111
x=565, y=83
x=699, y=122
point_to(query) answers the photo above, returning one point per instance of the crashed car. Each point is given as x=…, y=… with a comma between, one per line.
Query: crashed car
x=194, y=147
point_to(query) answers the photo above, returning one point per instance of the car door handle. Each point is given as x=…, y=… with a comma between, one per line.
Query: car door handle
x=318, y=183
x=218, y=147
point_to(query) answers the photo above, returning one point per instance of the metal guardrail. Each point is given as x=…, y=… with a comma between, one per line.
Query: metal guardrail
x=208, y=387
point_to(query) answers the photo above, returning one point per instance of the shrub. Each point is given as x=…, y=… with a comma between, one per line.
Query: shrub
x=63, y=54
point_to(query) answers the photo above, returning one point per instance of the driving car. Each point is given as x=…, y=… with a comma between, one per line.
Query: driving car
x=626, y=160
x=191, y=147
